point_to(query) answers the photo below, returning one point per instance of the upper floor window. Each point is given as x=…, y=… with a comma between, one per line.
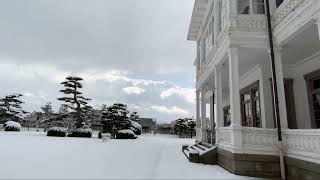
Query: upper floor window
x=251, y=7
x=279, y=2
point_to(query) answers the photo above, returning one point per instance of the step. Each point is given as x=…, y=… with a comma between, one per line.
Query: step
x=186, y=153
x=197, y=148
x=202, y=147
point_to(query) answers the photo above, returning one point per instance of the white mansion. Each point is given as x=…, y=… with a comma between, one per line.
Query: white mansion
x=235, y=99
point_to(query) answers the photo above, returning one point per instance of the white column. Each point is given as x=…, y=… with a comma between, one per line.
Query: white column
x=203, y=113
x=234, y=87
x=198, y=109
x=281, y=92
x=218, y=97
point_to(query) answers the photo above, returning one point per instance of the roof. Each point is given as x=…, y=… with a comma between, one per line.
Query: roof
x=198, y=14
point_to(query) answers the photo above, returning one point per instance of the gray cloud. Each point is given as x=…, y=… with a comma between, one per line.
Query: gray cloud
x=43, y=41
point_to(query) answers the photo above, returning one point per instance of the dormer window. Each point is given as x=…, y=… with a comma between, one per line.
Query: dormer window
x=251, y=7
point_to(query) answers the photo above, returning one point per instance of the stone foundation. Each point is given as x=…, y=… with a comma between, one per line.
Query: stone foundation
x=249, y=165
x=299, y=169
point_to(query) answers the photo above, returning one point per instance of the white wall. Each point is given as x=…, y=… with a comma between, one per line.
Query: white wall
x=297, y=72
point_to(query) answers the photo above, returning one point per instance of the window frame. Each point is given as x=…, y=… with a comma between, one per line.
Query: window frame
x=251, y=5
x=309, y=78
x=250, y=90
x=225, y=109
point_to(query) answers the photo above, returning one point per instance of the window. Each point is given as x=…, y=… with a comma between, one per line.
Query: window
x=251, y=7
x=313, y=86
x=279, y=2
x=227, y=116
x=258, y=7
x=250, y=106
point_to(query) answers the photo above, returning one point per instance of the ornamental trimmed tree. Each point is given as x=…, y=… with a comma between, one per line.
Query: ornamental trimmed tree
x=115, y=118
x=11, y=109
x=74, y=100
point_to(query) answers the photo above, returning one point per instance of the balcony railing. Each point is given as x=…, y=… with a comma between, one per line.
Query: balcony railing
x=256, y=22
x=285, y=9
x=301, y=143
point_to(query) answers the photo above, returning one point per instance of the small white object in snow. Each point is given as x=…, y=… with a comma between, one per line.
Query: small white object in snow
x=13, y=124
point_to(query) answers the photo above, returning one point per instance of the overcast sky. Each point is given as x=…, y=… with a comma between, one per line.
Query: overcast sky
x=129, y=51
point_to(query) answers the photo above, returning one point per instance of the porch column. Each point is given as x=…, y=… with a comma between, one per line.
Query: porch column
x=203, y=113
x=234, y=87
x=218, y=97
x=212, y=118
x=281, y=92
x=198, y=109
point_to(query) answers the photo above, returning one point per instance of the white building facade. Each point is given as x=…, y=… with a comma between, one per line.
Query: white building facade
x=235, y=108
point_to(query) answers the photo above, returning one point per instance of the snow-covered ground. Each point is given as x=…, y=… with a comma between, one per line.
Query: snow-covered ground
x=32, y=155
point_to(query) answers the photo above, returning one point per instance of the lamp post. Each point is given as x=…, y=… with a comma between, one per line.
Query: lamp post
x=275, y=91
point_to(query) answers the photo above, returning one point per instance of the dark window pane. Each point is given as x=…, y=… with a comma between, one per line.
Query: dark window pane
x=279, y=2
x=316, y=84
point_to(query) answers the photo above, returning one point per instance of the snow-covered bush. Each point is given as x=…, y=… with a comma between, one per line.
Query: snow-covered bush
x=81, y=132
x=12, y=126
x=135, y=127
x=57, y=131
x=125, y=134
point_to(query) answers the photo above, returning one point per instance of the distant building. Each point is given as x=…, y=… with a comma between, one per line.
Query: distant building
x=148, y=124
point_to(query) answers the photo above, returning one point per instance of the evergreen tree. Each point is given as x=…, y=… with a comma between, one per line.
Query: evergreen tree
x=75, y=101
x=134, y=116
x=10, y=107
x=180, y=126
x=103, y=107
x=191, y=124
x=115, y=118
x=63, y=109
x=47, y=109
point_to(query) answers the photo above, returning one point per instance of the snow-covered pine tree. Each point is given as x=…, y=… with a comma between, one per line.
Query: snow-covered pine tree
x=47, y=109
x=103, y=107
x=115, y=117
x=11, y=109
x=63, y=109
x=134, y=116
x=180, y=126
x=74, y=100
x=191, y=124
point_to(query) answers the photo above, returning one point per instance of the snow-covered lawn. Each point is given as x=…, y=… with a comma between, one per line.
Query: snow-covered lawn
x=33, y=155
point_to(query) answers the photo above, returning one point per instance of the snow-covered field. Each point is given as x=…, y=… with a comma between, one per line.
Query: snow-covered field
x=32, y=155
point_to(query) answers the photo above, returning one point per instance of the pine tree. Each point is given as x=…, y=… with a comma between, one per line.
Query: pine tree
x=103, y=107
x=75, y=101
x=10, y=107
x=180, y=126
x=191, y=124
x=63, y=109
x=47, y=109
x=134, y=116
x=115, y=118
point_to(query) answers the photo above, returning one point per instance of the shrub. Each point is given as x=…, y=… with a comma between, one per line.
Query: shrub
x=81, y=132
x=125, y=134
x=12, y=126
x=57, y=132
x=135, y=127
